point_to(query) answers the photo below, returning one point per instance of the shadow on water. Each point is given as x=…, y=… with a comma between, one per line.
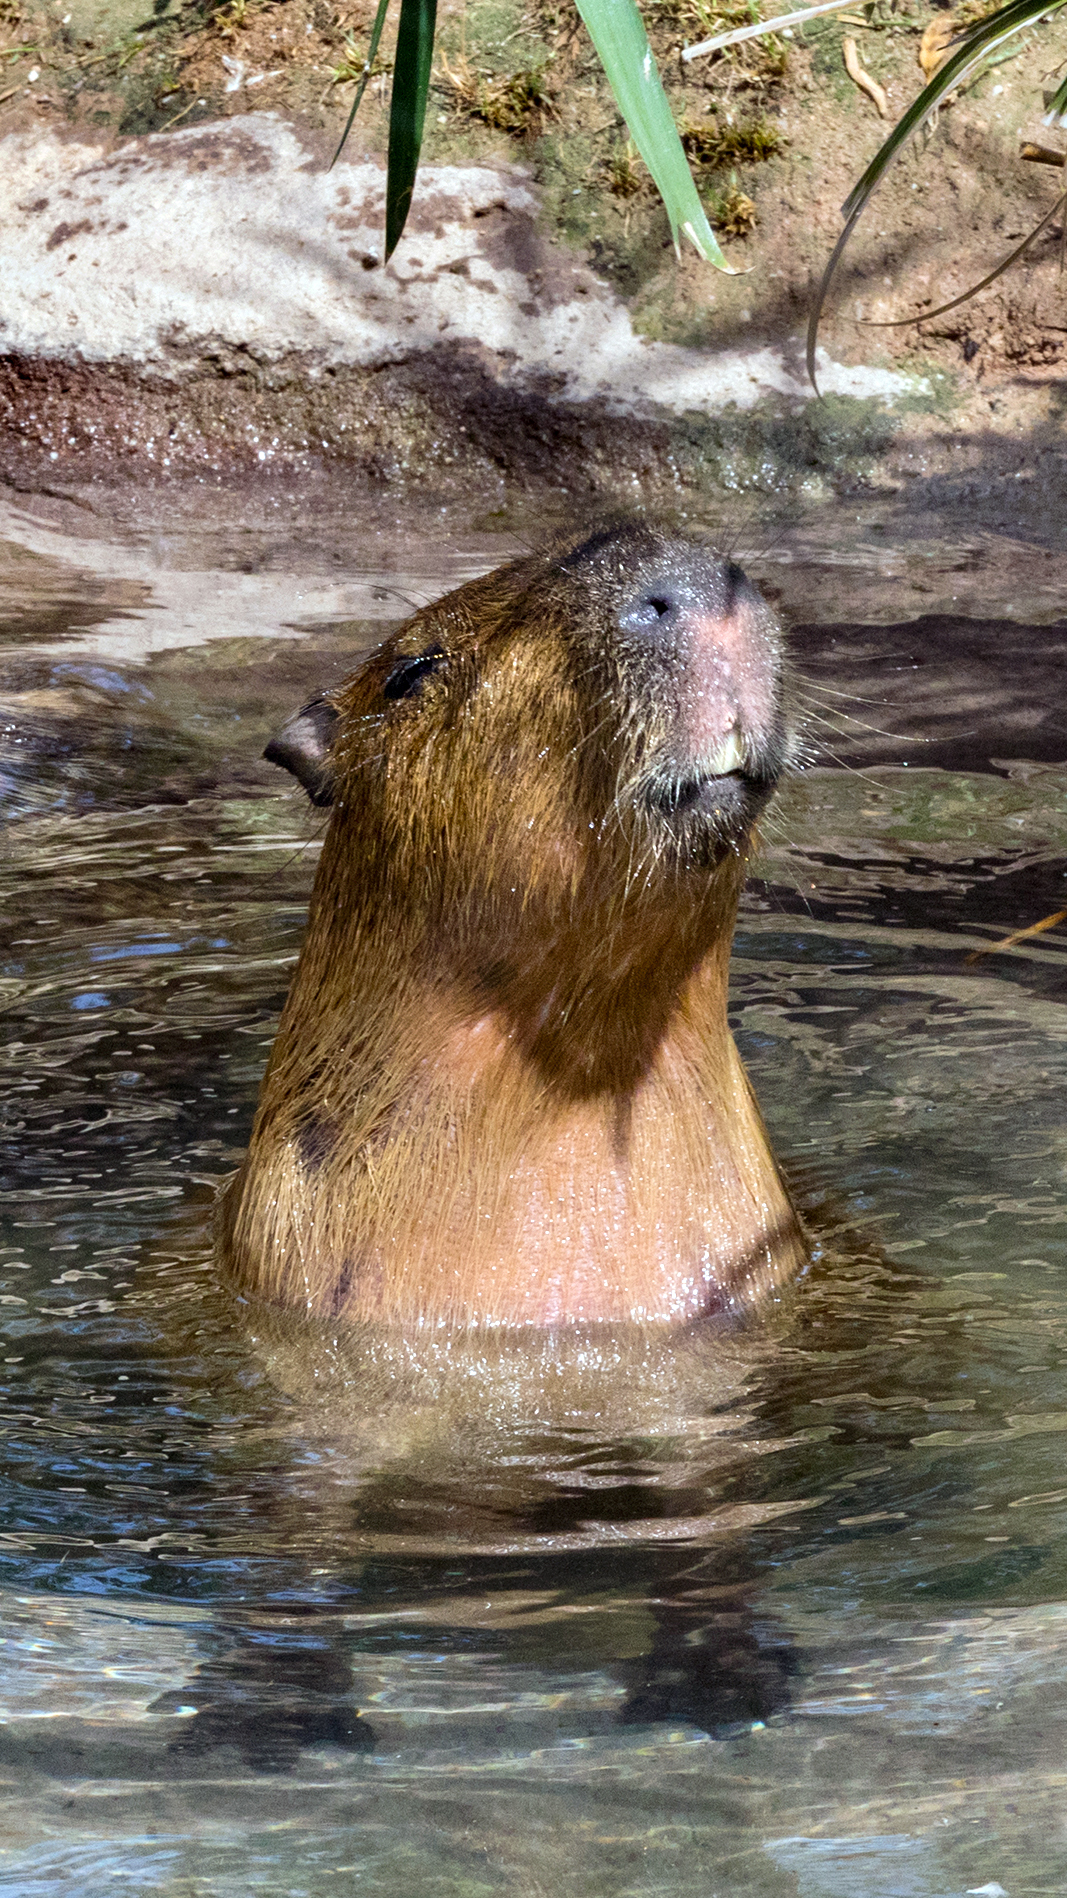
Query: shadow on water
x=779, y=1611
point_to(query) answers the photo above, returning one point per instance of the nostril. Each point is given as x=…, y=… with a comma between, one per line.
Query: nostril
x=648, y=610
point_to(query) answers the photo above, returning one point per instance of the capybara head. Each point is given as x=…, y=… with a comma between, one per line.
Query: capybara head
x=504, y=1076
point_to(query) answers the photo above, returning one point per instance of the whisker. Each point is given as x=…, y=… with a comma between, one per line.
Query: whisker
x=900, y=738
x=816, y=685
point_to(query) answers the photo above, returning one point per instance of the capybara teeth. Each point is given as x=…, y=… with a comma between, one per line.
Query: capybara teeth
x=503, y=1091
x=729, y=757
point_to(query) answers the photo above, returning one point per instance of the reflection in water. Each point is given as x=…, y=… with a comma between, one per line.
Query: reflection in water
x=777, y=1611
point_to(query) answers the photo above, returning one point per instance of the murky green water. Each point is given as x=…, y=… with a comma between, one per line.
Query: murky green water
x=783, y=1614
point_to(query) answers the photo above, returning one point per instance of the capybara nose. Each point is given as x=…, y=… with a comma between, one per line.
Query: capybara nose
x=665, y=599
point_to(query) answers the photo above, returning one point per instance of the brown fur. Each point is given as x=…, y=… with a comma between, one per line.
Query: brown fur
x=504, y=1091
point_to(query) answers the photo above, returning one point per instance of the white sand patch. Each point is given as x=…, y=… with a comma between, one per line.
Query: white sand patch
x=232, y=237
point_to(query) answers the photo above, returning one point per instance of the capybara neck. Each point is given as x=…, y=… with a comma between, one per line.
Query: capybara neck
x=504, y=1091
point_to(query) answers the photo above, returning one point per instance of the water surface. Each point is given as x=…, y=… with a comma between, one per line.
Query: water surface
x=779, y=1613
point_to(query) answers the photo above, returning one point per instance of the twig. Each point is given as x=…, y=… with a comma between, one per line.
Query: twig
x=1009, y=942
x=10, y=93
x=1042, y=154
x=863, y=79
x=764, y=26
x=181, y=114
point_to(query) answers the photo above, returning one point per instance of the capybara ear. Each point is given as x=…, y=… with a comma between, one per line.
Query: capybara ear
x=303, y=747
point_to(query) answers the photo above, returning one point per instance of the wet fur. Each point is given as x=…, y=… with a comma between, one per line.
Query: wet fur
x=504, y=1091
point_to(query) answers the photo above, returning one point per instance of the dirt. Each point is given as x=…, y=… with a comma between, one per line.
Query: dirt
x=777, y=133
x=441, y=423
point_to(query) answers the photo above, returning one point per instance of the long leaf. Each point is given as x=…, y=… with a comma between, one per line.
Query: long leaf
x=925, y=316
x=976, y=42
x=372, y=54
x=616, y=30
x=407, y=115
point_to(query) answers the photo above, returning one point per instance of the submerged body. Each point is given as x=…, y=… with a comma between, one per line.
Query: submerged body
x=504, y=1091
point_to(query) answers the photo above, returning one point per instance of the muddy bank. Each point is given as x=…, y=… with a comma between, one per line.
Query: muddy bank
x=190, y=291
x=213, y=300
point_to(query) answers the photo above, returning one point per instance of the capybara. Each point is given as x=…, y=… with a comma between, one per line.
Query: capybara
x=504, y=1091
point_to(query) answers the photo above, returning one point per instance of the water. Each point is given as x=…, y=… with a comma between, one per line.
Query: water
x=781, y=1613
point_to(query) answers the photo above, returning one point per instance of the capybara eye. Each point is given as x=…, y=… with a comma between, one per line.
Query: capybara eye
x=407, y=677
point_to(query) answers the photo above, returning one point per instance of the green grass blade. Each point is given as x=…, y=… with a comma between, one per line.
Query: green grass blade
x=372, y=54
x=976, y=43
x=407, y=114
x=616, y=30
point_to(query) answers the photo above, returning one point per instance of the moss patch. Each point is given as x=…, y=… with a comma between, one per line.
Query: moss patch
x=834, y=442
